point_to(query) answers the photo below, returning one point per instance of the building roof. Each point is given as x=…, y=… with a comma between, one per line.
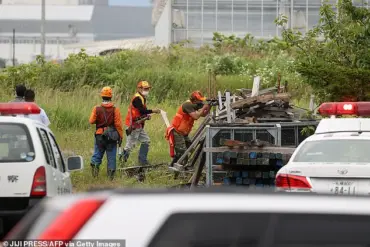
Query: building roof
x=105, y=22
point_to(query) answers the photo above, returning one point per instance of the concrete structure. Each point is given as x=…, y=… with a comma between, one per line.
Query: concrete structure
x=96, y=48
x=71, y=23
x=56, y=2
x=196, y=20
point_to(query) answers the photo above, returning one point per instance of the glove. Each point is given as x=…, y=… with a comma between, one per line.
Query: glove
x=156, y=111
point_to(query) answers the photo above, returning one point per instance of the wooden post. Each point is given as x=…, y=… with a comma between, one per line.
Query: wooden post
x=220, y=105
x=228, y=107
x=256, y=86
x=214, y=85
x=194, y=143
x=312, y=102
x=198, y=150
x=209, y=88
x=201, y=127
x=198, y=171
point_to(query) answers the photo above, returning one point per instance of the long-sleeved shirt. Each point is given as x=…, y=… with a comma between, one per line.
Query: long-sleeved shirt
x=117, y=119
x=137, y=103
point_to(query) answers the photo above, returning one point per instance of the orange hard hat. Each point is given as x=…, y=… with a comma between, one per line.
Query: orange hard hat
x=197, y=95
x=106, y=92
x=143, y=84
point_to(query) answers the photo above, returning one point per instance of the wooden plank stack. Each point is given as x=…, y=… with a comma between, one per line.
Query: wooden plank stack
x=270, y=105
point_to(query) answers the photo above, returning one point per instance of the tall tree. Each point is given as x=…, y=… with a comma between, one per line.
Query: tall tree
x=334, y=56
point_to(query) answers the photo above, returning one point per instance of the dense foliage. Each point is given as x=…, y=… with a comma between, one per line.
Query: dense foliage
x=174, y=72
x=334, y=57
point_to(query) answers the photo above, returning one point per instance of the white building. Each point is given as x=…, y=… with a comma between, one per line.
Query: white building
x=67, y=22
x=55, y=2
x=197, y=20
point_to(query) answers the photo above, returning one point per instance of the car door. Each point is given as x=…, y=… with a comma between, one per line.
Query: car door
x=52, y=175
x=262, y=229
x=66, y=184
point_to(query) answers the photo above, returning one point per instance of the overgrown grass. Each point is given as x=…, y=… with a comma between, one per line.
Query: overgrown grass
x=69, y=114
x=173, y=72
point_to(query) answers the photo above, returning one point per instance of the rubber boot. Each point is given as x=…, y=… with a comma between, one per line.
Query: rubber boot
x=111, y=174
x=143, y=154
x=125, y=155
x=94, y=170
x=174, y=160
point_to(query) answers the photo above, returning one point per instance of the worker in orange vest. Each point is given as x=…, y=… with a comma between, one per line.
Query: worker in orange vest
x=178, y=133
x=136, y=117
x=109, y=133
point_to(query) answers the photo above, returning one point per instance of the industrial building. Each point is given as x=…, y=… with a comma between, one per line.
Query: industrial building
x=67, y=22
x=197, y=20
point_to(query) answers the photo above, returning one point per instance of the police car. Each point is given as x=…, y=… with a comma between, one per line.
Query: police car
x=336, y=159
x=31, y=163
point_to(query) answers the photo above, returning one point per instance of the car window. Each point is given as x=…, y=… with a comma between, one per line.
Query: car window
x=57, y=154
x=15, y=143
x=263, y=230
x=47, y=148
x=343, y=150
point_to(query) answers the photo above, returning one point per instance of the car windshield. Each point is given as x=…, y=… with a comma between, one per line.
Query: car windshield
x=15, y=143
x=343, y=150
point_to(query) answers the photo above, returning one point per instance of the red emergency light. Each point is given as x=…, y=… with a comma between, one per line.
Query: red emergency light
x=15, y=108
x=360, y=108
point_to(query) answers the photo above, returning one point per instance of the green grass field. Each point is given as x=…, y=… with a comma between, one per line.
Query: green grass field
x=69, y=114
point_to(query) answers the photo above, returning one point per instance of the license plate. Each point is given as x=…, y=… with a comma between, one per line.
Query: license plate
x=343, y=188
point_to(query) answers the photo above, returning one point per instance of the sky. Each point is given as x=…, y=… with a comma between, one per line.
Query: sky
x=130, y=2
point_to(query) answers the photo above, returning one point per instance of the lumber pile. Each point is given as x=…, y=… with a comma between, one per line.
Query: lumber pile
x=267, y=105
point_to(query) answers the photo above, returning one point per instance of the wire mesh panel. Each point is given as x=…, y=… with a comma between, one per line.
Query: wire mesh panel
x=222, y=134
x=265, y=135
x=288, y=136
x=243, y=135
x=252, y=168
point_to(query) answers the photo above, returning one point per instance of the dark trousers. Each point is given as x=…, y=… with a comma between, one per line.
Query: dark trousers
x=101, y=146
x=181, y=144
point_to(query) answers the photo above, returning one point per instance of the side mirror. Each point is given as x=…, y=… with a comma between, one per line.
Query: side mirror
x=75, y=163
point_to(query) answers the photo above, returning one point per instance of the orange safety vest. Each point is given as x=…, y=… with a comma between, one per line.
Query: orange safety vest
x=133, y=113
x=182, y=122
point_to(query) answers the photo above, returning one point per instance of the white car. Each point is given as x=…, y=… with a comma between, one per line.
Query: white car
x=336, y=158
x=204, y=217
x=31, y=164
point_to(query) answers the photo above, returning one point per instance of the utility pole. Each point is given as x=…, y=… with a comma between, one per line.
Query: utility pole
x=13, y=47
x=43, y=28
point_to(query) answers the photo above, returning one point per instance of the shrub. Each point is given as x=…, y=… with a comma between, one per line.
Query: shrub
x=173, y=72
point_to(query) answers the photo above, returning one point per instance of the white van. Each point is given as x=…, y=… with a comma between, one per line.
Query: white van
x=31, y=163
